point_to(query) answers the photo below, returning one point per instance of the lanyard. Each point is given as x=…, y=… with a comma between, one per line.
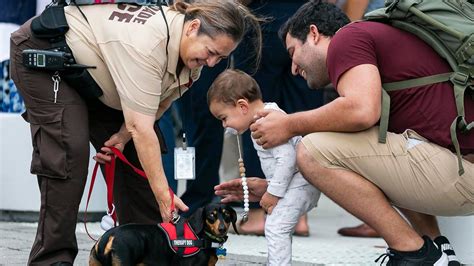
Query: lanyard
x=183, y=119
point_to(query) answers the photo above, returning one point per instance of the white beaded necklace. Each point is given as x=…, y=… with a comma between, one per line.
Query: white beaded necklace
x=245, y=214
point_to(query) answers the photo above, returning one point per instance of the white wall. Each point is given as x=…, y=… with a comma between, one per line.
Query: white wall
x=460, y=232
x=18, y=188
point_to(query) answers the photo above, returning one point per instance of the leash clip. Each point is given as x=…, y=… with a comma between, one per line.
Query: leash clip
x=112, y=211
x=176, y=218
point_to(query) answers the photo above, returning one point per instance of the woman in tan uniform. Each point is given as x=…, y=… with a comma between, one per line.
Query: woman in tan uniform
x=144, y=60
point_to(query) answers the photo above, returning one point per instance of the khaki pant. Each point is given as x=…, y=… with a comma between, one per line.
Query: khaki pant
x=60, y=134
x=423, y=178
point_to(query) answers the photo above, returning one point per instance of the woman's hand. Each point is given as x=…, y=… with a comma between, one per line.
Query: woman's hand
x=117, y=140
x=268, y=202
x=166, y=210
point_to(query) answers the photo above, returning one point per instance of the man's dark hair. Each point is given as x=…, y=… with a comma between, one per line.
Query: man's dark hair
x=327, y=17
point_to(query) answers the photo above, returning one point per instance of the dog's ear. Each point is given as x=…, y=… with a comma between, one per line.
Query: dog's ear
x=197, y=220
x=233, y=217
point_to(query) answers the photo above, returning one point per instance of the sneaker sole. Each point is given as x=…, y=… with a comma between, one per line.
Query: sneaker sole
x=443, y=261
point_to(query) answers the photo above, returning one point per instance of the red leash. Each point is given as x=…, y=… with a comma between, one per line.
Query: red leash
x=109, y=180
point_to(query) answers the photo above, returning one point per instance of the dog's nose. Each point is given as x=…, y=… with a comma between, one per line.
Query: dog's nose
x=222, y=229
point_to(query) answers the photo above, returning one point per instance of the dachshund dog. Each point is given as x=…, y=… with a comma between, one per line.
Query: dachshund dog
x=147, y=244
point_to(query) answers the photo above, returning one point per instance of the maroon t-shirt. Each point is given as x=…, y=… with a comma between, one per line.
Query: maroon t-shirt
x=399, y=55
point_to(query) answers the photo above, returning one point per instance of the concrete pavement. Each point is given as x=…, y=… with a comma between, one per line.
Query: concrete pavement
x=323, y=247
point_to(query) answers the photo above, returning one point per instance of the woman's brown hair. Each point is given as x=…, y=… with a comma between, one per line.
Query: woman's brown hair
x=224, y=17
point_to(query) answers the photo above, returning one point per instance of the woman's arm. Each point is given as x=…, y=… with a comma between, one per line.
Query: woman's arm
x=140, y=127
x=164, y=105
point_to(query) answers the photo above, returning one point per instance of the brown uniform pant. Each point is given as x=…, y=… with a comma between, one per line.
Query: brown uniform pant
x=60, y=134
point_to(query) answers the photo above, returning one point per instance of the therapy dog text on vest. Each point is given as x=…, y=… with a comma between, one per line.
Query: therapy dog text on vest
x=183, y=243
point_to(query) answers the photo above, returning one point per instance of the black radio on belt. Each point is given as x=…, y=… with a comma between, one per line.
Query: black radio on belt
x=46, y=59
x=50, y=60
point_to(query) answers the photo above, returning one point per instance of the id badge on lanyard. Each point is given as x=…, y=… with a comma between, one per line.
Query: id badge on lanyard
x=184, y=162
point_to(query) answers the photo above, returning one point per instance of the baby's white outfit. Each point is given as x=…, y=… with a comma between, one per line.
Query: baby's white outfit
x=297, y=196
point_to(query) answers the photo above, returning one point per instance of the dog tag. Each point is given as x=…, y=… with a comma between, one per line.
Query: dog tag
x=221, y=253
x=184, y=163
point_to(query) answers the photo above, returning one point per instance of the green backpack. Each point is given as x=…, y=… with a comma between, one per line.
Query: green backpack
x=448, y=27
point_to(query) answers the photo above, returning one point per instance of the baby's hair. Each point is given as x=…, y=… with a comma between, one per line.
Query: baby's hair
x=232, y=85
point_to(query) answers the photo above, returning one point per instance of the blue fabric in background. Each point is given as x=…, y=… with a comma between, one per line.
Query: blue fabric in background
x=17, y=11
x=167, y=129
x=10, y=100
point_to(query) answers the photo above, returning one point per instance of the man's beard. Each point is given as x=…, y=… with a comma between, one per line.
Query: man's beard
x=317, y=74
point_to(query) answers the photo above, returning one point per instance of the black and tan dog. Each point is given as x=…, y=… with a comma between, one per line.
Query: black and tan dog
x=140, y=244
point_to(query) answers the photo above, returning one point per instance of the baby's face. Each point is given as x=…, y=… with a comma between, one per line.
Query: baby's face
x=236, y=116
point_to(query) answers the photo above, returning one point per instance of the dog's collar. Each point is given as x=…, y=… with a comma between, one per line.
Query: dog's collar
x=219, y=240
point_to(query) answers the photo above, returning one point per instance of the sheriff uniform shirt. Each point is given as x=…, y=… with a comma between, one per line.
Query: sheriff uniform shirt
x=127, y=44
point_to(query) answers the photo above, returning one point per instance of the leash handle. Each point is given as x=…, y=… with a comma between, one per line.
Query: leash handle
x=94, y=173
x=109, y=181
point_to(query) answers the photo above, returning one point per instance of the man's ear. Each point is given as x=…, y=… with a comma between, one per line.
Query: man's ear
x=313, y=35
x=243, y=105
x=193, y=26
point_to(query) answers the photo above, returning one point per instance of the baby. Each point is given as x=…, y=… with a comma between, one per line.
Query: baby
x=234, y=98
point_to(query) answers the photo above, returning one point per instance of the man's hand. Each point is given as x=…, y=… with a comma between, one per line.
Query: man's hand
x=270, y=128
x=232, y=190
x=269, y=202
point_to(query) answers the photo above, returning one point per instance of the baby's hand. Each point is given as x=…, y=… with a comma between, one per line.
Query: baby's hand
x=268, y=202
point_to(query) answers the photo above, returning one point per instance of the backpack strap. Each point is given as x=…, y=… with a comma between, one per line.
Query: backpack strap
x=401, y=85
x=466, y=51
x=460, y=81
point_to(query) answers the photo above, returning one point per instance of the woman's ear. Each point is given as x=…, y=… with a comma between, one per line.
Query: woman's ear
x=243, y=105
x=193, y=27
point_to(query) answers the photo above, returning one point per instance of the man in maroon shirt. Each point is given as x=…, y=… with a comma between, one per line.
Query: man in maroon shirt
x=416, y=170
